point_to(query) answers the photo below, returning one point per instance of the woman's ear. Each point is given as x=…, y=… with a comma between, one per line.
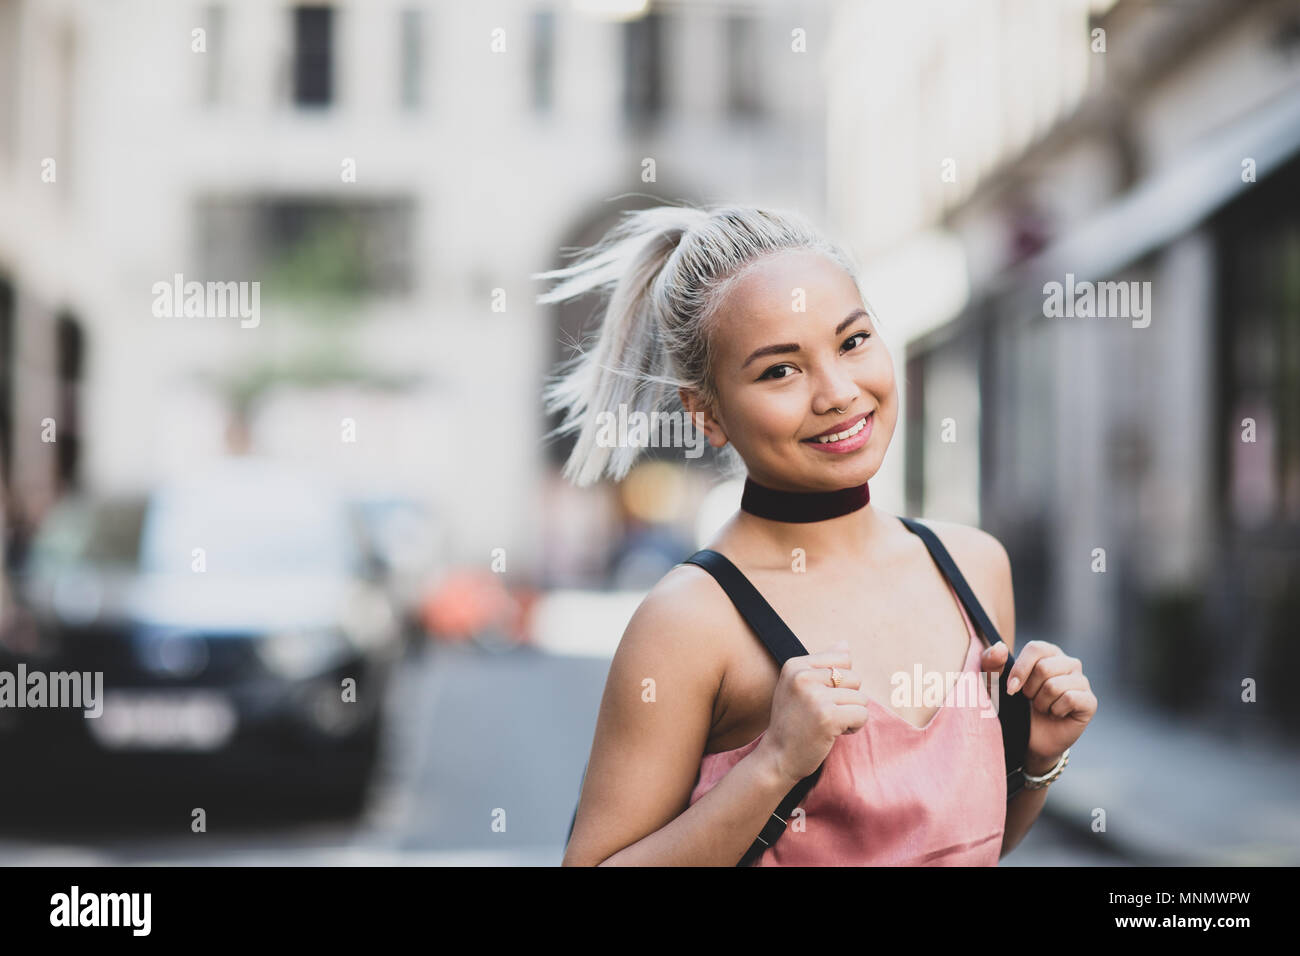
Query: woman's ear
x=702, y=418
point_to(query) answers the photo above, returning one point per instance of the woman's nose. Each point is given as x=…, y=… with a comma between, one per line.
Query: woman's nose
x=838, y=392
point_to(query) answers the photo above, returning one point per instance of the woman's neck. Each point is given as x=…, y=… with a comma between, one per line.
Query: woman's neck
x=851, y=537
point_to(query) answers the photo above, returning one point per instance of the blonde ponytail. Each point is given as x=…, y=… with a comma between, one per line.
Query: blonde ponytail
x=664, y=270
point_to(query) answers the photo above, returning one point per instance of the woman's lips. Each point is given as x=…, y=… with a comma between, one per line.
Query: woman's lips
x=845, y=445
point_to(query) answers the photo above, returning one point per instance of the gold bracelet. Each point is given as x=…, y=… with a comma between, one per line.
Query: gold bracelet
x=1040, y=783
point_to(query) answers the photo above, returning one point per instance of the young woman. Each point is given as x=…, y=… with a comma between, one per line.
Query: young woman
x=756, y=324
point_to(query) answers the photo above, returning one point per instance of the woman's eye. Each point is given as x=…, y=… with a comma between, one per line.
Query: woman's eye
x=768, y=373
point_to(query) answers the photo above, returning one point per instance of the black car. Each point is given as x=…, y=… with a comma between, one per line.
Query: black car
x=240, y=627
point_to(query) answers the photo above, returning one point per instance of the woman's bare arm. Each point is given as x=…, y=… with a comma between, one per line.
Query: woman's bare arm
x=654, y=723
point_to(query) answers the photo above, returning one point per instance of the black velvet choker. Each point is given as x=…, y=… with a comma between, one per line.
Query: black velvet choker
x=801, y=506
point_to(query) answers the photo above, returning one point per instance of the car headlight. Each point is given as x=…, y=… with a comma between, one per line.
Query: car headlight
x=302, y=653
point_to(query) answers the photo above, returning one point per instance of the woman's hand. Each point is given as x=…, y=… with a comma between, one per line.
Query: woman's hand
x=808, y=713
x=1061, y=701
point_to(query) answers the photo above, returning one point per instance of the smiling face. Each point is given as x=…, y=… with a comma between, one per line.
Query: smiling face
x=780, y=375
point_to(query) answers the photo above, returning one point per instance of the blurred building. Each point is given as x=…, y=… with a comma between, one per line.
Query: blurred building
x=1153, y=143
x=391, y=173
x=718, y=102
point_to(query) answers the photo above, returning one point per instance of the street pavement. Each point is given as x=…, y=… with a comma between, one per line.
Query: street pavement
x=1174, y=792
x=482, y=765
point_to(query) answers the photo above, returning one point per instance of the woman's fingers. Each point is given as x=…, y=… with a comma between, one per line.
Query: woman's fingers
x=848, y=695
x=1047, y=667
x=1061, y=694
x=994, y=658
x=847, y=677
x=1077, y=702
x=853, y=714
x=1030, y=655
x=838, y=655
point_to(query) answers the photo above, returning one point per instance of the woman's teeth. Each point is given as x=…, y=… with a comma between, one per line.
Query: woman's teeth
x=849, y=433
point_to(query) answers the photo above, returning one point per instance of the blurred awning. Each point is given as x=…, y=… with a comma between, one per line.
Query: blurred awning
x=1172, y=201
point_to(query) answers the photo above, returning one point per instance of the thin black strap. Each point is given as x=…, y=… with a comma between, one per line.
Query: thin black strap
x=776, y=823
x=782, y=644
x=954, y=577
x=758, y=614
x=1013, y=711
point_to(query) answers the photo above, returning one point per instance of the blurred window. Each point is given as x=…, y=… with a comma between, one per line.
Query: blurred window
x=313, y=50
x=411, y=63
x=1259, y=337
x=70, y=345
x=8, y=373
x=214, y=46
x=914, y=429
x=1029, y=409
x=65, y=98
x=744, y=72
x=99, y=533
x=541, y=65
x=307, y=247
x=8, y=77
x=643, y=68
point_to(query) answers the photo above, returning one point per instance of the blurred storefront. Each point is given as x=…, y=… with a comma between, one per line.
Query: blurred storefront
x=1142, y=466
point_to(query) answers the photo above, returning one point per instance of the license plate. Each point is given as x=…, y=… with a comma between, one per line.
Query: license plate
x=164, y=720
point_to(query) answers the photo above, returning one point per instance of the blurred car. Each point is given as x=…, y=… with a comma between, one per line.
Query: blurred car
x=239, y=623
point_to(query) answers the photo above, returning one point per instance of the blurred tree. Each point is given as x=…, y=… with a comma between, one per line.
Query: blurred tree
x=315, y=290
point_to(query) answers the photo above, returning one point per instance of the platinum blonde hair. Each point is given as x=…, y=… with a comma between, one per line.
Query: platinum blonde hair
x=665, y=270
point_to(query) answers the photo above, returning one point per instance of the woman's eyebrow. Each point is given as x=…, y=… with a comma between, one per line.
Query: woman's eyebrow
x=794, y=347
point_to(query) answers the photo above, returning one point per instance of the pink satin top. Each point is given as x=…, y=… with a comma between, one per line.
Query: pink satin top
x=894, y=794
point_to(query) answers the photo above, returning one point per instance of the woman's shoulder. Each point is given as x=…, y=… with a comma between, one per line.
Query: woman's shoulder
x=685, y=610
x=975, y=545
x=689, y=594
x=682, y=631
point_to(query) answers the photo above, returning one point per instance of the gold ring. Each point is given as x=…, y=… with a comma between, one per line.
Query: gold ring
x=835, y=678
